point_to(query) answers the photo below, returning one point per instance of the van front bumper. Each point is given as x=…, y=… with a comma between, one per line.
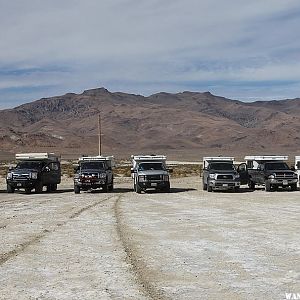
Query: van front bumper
x=223, y=185
x=19, y=184
x=153, y=184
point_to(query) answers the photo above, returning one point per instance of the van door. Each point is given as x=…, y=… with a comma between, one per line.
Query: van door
x=52, y=173
x=244, y=175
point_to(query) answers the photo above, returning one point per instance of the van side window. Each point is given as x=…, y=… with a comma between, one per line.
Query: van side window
x=54, y=166
x=250, y=164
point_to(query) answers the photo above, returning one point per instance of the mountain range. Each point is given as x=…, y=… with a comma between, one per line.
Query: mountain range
x=184, y=126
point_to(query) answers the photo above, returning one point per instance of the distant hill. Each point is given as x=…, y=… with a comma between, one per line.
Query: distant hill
x=184, y=125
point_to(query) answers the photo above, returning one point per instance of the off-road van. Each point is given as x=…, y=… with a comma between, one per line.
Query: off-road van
x=150, y=172
x=270, y=171
x=219, y=173
x=34, y=171
x=94, y=172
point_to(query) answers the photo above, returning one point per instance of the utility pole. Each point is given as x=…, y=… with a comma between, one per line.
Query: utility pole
x=100, y=134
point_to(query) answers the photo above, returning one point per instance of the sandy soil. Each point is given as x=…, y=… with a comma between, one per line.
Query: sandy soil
x=188, y=244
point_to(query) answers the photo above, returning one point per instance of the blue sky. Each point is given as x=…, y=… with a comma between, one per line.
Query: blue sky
x=246, y=50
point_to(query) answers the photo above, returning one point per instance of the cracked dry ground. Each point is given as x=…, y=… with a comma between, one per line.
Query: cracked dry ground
x=188, y=244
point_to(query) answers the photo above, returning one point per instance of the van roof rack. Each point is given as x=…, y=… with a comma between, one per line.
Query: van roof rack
x=96, y=158
x=37, y=156
x=148, y=157
x=266, y=157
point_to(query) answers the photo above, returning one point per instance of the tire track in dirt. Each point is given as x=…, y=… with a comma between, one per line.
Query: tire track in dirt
x=21, y=247
x=138, y=265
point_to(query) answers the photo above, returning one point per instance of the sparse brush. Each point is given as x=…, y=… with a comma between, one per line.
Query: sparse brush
x=186, y=170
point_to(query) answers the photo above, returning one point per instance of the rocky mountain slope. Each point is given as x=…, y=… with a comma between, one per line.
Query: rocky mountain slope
x=185, y=125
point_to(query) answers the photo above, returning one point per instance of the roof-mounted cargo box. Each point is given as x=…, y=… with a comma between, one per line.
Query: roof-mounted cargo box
x=37, y=156
x=148, y=158
x=266, y=157
x=108, y=159
x=208, y=159
x=253, y=161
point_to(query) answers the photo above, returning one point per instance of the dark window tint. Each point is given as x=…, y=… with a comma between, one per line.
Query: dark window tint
x=221, y=166
x=276, y=166
x=151, y=166
x=30, y=165
x=93, y=165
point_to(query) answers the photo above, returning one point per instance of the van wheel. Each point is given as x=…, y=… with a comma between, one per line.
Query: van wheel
x=251, y=185
x=27, y=190
x=76, y=189
x=294, y=187
x=237, y=189
x=138, y=189
x=204, y=186
x=105, y=188
x=39, y=187
x=111, y=187
x=54, y=187
x=268, y=186
x=209, y=188
x=10, y=189
x=49, y=188
x=167, y=188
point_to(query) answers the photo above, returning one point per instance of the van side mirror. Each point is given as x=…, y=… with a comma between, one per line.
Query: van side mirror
x=132, y=170
x=47, y=169
x=293, y=168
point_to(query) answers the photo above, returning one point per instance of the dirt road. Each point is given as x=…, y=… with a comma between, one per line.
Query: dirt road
x=188, y=244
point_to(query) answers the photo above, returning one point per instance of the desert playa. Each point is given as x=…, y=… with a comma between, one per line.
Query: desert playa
x=188, y=244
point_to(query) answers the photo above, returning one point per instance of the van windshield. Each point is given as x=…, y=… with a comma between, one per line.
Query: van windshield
x=220, y=166
x=30, y=165
x=151, y=166
x=276, y=166
x=93, y=165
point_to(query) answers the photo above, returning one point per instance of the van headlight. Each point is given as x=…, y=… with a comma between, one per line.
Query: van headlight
x=212, y=176
x=236, y=176
x=165, y=177
x=33, y=175
x=102, y=175
x=272, y=176
x=9, y=175
x=142, y=178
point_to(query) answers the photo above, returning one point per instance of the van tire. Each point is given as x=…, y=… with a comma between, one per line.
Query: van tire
x=251, y=185
x=27, y=190
x=138, y=189
x=76, y=189
x=268, y=186
x=39, y=187
x=294, y=187
x=10, y=189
